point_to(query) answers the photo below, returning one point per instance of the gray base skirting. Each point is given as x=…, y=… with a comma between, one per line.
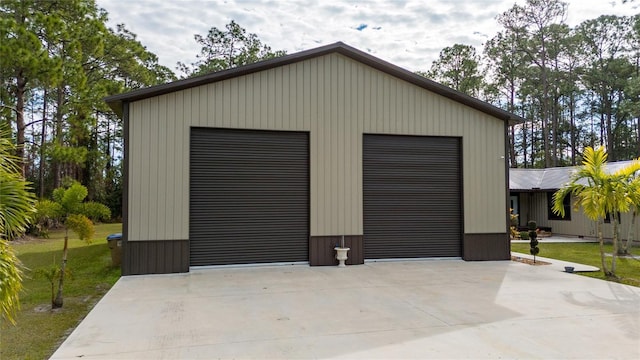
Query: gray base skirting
x=155, y=257
x=479, y=247
x=321, y=251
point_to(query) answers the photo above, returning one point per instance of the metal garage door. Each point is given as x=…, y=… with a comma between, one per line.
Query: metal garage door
x=249, y=196
x=412, y=197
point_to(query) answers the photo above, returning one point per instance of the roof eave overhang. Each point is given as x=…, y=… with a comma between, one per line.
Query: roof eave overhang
x=116, y=101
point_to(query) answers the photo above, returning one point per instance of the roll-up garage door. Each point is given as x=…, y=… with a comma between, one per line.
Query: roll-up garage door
x=412, y=197
x=249, y=196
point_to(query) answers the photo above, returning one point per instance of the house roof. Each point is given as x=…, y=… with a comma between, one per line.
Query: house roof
x=550, y=179
x=116, y=101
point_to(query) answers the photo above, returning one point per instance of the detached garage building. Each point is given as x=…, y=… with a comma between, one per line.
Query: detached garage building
x=276, y=161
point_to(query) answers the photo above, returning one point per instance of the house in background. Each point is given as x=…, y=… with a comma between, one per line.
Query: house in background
x=531, y=192
x=278, y=161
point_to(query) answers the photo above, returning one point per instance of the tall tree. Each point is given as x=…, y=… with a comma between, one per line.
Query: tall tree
x=226, y=49
x=81, y=40
x=559, y=36
x=531, y=24
x=605, y=41
x=458, y=67
x=58, y=61
x=124, y=64
x=507, y=71
x=24, y=59
x=570, y=89
x=633, y=88
x=578, y=86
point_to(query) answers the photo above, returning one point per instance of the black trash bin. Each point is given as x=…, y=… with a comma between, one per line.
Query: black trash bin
x=115, y=244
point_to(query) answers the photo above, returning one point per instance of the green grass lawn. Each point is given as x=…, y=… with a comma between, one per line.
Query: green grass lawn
x=627, y=269
x=39, y=330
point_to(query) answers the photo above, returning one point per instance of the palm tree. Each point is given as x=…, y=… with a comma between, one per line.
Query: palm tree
x=599, y=193
x=17, y=205
x=631, y=176
x=621, y=198
x=70, y=203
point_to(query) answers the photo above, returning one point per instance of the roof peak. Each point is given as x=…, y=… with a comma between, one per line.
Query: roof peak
x=116, y=102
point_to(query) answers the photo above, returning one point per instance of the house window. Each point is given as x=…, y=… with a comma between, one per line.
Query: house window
x=607, y=218
x=566, y=203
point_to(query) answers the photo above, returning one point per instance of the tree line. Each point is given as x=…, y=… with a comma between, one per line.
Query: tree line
x=578, y=86
x=58, y=60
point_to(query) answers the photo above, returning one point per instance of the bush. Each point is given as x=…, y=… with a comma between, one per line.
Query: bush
x=513, y=218
x=47, y=210
x=47, y=215
x=533, y=235
x=514, y=232
x=95, y=211
x=524, y=235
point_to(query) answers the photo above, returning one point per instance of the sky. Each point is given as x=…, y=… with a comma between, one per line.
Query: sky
x=407, y=33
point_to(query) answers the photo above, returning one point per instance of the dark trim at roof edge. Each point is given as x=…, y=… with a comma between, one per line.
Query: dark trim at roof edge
x=115, y=101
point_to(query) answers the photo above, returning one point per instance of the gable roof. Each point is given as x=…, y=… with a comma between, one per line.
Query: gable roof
x=116, y=101
x=550, y=179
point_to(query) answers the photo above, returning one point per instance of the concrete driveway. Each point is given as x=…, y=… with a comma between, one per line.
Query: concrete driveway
x=415, y=309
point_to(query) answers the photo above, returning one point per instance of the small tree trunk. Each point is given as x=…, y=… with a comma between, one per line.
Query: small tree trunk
x=638, y=135
x=21, y=89
x=573, y=129
x=42, y=142
x=632, y=229
x=631, y=232
x=614, y=255
x=601, y=242
x=611, y=149
x=53, y=291
x=57, y=165
x=57, y=303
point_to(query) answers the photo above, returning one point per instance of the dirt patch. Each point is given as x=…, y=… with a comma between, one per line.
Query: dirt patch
x=28, y=239
x=43, y=308
x=529, y=261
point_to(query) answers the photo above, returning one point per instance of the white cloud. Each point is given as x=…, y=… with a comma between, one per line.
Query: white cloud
x=408, y=33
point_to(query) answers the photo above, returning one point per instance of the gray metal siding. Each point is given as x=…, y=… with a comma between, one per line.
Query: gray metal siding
x=334, y=98
x=412, y=197
x=249, y=198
